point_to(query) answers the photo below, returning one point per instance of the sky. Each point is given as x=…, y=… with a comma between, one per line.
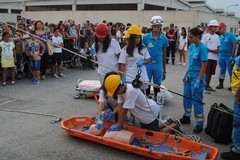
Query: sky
x=223, y=4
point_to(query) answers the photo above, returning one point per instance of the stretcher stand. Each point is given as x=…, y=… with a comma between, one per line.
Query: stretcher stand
x=87, y=88
x=155, y=145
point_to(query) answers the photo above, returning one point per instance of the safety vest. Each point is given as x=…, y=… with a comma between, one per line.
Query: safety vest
x=235, y=79
x=171, y=37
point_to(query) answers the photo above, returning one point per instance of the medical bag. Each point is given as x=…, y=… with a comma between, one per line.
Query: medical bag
x=220, y=123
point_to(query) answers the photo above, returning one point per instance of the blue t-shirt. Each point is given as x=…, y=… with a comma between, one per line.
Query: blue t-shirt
x=155, y=46
x=198, y=54
x=227, y=42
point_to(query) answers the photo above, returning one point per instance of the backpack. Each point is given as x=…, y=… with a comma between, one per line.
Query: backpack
x=220, y=124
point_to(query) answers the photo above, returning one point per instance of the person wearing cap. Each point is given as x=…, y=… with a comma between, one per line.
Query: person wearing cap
x=107, y=51
x=172, y=36
x=156, y=44
x=226, y=54
x=133, y=100
x=134, y=56
x=212, y=41
x=234, y=153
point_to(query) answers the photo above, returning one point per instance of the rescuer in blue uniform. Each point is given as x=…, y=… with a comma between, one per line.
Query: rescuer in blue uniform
x=227, y=53
x=194, y=80
x=156, y=44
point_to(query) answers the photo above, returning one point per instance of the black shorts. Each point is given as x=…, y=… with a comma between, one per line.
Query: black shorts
x=154, y=125
x=211, y=67
x=57, y=58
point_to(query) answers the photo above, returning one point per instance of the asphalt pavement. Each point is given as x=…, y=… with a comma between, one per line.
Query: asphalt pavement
x=28, y=137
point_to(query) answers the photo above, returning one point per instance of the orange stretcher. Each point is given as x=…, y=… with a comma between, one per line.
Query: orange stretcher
x=155, y=145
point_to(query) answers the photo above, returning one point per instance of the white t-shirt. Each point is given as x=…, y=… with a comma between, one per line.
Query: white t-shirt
x=212, y=42
x=57, y=40
x=109, y=100
x=131, y=66
x=109, y=58
x=7, y=49
x=182, y=42
x=136, y=102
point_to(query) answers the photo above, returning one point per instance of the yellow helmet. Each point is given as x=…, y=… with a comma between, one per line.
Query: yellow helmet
x=135, y=29
x=126, y=36
x=111, y=84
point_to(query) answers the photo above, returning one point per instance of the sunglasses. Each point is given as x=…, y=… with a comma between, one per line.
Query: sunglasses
x=157, y=21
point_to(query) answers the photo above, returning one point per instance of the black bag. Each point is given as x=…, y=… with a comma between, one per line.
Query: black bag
x=220, y=124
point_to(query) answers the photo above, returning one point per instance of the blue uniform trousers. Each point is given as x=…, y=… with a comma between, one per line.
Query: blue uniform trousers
x=196, y=94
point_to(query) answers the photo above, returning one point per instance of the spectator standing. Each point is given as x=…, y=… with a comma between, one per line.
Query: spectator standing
x=57, y=53
x=8, y=57
x=182, y=46
x=226, y=54
x=40, y=32
x=33, y=46
x=172, y=35
x=212, y=41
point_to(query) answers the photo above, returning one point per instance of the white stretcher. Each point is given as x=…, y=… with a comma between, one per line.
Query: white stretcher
x=87, y=88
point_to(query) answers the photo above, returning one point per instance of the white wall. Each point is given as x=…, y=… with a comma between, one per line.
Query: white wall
x=5, y=17
x=180, y=18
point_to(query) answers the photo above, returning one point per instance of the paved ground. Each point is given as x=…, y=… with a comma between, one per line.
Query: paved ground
x=28, y=137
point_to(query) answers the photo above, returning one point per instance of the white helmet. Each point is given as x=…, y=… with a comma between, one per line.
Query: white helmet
x=156, y=20
x=213, y=23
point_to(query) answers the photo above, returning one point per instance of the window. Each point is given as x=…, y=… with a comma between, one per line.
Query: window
x=3, y=10
x=152, y=7
x=17, y=11
x=108, y=7
x=49, y=8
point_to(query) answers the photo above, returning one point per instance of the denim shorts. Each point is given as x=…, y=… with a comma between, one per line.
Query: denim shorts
x=35, y=65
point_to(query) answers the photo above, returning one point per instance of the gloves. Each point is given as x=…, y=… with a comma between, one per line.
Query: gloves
x=99, y=123
x=163, y=76
x=237, y=61
x=123, y=79
x=115, y=127
x=140, y=63
x=92, y=51
x=197, y=84
x=109, y=115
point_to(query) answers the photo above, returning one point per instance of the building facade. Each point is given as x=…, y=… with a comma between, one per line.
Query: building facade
x=187, y=13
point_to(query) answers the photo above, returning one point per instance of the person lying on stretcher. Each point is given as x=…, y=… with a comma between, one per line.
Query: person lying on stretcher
x=134, y=101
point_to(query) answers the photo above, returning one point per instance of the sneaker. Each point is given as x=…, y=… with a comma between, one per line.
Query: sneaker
x=4, y=84
x=230, y=155
x=37, y=82
x=131, y=120
x=185, y=120
x=184, y=64
x=61, y=75
x=219, y=87
x=55, y=76
x=197, y=129
x=179, y=63
x=179, y=125
x=169, y=120
x=13, y=82
x=43, y=77
x=229, y=88
x=32, y=81
x=208, y=88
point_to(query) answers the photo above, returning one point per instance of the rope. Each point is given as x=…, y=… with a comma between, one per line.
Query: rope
x=58, y=118
x=146, y=82
x=182, y=134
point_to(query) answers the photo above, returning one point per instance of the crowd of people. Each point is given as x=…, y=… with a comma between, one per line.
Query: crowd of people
x=128, y=49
